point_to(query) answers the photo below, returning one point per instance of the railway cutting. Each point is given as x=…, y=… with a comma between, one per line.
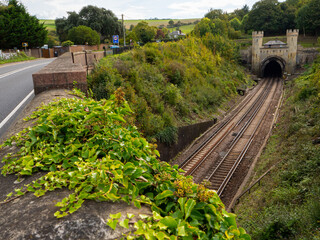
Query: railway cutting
x=224, y=156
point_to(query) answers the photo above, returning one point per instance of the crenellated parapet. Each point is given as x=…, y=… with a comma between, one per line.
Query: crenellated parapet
x=292, y=32
x=257, y=34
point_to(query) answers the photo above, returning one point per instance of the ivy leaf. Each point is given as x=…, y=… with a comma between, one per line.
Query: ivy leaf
x=115, y=216
x=124, y=223
x=112, y=223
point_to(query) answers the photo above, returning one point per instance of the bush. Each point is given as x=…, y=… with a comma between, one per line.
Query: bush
x=67, y=43
x=167, y=81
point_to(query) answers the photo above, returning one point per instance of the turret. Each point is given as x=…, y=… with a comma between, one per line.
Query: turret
x=257, y=38
x=292, y=43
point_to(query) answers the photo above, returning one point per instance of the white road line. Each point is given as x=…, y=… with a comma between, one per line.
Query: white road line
x=19, y=70
x=16, y=109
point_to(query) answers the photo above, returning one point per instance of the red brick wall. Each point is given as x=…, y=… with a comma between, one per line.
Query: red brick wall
x=60, y=74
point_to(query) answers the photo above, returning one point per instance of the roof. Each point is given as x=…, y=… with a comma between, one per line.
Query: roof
x=274, y=42
x=177, y=33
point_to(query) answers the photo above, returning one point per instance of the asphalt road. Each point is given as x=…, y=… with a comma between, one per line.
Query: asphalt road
x=16, y=89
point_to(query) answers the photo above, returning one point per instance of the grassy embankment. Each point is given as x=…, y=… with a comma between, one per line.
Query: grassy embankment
x=287, y=204
x=19, y=58
x=172, y=84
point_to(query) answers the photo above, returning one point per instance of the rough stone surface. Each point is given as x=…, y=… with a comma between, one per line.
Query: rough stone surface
x=29, y=217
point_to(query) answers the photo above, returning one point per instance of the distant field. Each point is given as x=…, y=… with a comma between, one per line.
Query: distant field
x=185, y=29
x=165, y=22
x=49, y=24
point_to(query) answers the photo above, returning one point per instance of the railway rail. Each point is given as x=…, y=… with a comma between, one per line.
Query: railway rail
x=219, y=156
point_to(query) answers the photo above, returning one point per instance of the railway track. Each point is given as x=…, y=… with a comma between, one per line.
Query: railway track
x=218, y=157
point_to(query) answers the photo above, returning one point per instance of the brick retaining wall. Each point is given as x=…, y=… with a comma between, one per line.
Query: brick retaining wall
x=60, y=74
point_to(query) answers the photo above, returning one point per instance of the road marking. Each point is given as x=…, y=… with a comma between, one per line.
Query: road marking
x=19, y=70
x=16, y=109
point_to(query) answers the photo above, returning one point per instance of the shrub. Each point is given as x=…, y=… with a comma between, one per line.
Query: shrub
x=67, y=43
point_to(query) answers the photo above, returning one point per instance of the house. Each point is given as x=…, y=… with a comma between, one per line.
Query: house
x=176, y=34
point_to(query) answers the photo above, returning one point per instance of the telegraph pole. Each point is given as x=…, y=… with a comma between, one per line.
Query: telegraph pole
x=124, y=32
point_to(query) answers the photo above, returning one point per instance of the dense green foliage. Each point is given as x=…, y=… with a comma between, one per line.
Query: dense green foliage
x=99, y=19
x=17, y=26
x=83, y=35
x=88, y=147
x=308, y=17
x=287, y=205
x=271, y=17
x=171, y=84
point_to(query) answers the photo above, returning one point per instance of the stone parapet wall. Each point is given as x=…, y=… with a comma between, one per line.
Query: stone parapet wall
x=60, y=74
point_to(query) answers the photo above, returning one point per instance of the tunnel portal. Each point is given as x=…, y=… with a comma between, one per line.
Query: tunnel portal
x=272, y=67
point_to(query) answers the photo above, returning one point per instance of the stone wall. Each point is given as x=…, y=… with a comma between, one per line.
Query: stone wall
x=186, y=135
x=306, y=55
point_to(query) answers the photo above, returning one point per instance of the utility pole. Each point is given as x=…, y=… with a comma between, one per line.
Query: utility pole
x=124, y=32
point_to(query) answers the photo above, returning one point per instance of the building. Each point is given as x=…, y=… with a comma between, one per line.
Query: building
x=274, y=56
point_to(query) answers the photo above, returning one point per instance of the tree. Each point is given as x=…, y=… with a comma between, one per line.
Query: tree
x=17, y=26
x=83, y=35
x=171, y=23
x=99, y=19
x=266, y=15
x=308, y=17
x=216, y=13
x=203, y=27
x=144, y=32
x=159, y=34
x=240, y=13
x=235, y=23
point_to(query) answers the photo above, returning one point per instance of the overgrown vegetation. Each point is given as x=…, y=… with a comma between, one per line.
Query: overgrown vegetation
x=171, y=84
x=15, y=57
x=286, y=206
x=91, y=148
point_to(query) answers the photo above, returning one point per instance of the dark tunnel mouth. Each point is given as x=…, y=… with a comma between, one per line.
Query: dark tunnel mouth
x=272, y=69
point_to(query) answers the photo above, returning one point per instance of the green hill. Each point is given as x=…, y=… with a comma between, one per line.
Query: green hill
x=172, y=84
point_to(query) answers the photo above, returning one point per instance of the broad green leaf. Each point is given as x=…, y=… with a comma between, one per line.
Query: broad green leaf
x=164, y=194
x=188, y=207
x=181, y=202
x=182, y=231
x=169, y=221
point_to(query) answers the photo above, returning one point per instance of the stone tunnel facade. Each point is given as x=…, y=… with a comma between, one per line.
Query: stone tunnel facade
x=274, y=56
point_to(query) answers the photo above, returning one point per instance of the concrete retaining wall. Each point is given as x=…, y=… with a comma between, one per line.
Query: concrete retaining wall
x=186, y=135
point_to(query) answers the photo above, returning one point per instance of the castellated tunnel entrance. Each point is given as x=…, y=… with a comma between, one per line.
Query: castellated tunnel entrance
x=272, y=67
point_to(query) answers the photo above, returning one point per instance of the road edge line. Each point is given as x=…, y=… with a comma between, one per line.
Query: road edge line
x=15, y=109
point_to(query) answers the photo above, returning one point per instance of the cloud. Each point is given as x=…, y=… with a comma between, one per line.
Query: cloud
x=200, y=8
x=132, y=9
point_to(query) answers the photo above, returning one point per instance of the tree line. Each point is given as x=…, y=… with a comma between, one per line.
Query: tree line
x=272, y=17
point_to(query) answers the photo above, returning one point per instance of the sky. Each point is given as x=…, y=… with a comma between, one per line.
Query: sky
x=134, y=9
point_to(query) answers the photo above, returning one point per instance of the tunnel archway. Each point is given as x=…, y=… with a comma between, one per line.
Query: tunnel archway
x=272, y=67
